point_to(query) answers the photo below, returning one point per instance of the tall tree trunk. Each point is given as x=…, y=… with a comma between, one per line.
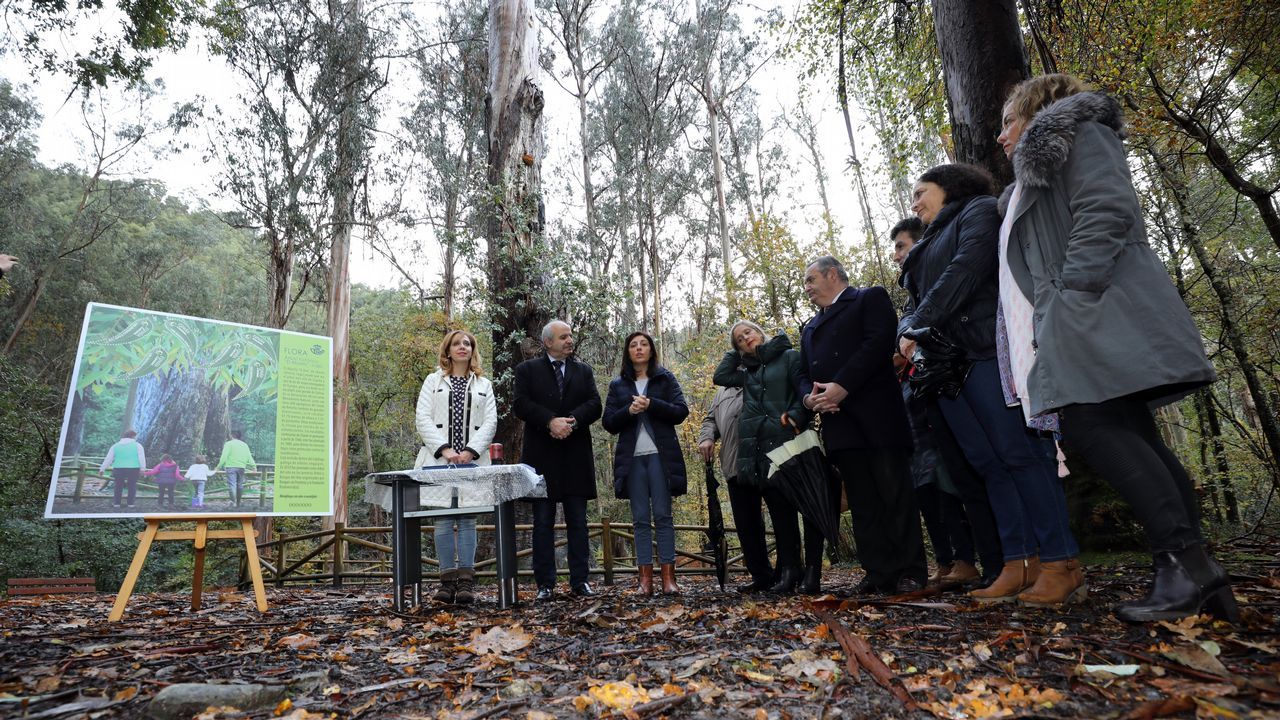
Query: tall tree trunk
x=742, y=180
x=170, y=413
x=349, y=150
x=1236, y=340
x=855, y=165
x=513, y=109
x=983, y=57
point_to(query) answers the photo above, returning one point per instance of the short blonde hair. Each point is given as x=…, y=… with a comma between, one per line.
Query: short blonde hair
x=446, y=364
x=1031, y=96
x=733, y=342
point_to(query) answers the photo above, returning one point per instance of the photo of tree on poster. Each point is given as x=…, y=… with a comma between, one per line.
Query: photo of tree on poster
x=204, y=394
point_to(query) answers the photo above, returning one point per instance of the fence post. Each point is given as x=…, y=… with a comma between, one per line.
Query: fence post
x=79, y=482
x=338, y=539
x=262, y=487
x=280, y=561
x=606, y=537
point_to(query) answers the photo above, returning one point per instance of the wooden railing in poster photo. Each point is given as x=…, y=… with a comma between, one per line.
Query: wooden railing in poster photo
x=86, y=486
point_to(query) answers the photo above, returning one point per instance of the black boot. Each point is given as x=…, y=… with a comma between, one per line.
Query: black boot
x=1187, y=582
x=756, y=586
x=788, y=578
x=812, y=582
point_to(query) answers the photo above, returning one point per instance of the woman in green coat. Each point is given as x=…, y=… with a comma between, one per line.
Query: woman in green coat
x=771, y=414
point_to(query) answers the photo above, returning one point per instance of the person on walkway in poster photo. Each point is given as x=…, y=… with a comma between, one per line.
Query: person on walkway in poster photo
x=644, y=407
x=846, y=374
x=236, y=461
x=950, y=277
x=167, y=475
x=1096, y=329
x=767, y=371
x=456, y=418
x=125, y=460
x=198, y=474
x=721, y=424
x=556, y=397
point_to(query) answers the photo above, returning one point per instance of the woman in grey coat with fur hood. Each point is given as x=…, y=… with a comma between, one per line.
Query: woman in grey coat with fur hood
x=1095, y=329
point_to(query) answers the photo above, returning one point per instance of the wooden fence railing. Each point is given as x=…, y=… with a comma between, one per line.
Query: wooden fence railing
x=355, y=554
x=84, y=483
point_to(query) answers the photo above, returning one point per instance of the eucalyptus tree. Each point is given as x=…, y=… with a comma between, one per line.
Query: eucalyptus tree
x=515, y=214
x=590, y=47
x=445, y=135
x=647, y=110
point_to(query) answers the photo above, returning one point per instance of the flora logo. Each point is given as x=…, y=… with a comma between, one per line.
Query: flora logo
x=317, y=349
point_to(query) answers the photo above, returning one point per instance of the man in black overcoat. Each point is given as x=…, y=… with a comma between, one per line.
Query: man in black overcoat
x=846, y=374
x=556, y=397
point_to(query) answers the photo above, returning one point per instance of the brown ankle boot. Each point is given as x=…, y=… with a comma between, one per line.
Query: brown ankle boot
x=1017, y=575
x=448, y=587
x=646, y=580
x=465, y=588
x=1061, y=582
x=669, y=586
x=941, y=572
x=961, y=572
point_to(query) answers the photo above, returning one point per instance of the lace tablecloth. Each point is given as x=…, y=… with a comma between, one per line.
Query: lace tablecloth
x=473, y=486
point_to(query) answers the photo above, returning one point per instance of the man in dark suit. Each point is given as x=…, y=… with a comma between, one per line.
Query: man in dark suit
x=846, y=374
x=556, y=397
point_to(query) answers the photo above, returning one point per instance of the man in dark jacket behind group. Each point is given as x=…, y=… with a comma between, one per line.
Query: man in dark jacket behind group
x=847, y=375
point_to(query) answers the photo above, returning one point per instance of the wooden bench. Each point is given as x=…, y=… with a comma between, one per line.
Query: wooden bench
x=50, y=586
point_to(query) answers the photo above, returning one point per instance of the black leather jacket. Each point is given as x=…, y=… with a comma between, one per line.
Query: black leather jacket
x=951, y=277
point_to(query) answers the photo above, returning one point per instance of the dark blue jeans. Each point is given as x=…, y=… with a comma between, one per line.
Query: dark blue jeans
x=1018, y=466
x=544, y=540
x=651, y=509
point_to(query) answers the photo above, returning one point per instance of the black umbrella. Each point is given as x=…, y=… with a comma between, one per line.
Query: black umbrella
x=798, y=469
x=715, y=519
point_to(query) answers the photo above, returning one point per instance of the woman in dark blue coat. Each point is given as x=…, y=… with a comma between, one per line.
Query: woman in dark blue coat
x=644, y=407
x=951, y=278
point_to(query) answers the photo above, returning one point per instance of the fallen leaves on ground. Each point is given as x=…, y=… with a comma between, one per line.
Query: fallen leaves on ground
x=345, y=654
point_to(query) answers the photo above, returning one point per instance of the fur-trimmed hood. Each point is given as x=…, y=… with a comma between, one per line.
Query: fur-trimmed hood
x=1048, y=139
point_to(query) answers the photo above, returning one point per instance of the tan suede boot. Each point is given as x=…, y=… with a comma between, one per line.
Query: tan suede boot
x=669, y=586
x=646, y=580
x=1017, y=575
x=1061, y=582
x=961, y=572
x=941, y=572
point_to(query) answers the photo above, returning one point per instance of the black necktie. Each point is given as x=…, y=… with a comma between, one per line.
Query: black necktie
x=559, y=368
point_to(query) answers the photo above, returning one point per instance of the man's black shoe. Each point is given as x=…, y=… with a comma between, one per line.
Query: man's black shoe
x=583, y=589
x=907, y=585
x=865, y=588
x=544, y=594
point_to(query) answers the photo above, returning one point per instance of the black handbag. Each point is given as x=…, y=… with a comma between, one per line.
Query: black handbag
x=940, y=365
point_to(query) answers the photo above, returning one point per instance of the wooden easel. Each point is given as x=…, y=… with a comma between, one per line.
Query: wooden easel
x=200, y=535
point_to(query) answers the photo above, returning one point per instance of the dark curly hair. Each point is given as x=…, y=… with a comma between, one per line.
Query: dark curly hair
x=912, y=225
x=629, y=370
x=960, y=182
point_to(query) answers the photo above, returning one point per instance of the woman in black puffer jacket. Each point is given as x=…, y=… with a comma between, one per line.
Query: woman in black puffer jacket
x=951, y=278
x=767, y=373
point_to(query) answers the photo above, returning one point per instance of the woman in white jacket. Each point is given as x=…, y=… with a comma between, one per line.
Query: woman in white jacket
x=456, y=418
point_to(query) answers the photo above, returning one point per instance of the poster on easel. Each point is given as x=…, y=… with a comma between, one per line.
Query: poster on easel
x=170, y=414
